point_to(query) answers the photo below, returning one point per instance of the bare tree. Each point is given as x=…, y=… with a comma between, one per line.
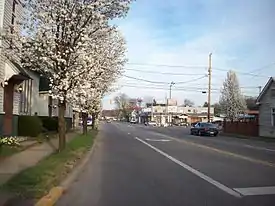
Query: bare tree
x=188, y=102
x=231, y=100
x=122, y=104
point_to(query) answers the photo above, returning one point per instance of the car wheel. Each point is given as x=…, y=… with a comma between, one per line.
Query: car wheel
x=191, y=133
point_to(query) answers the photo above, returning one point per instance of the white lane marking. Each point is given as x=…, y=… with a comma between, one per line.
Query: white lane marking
x=196, y=172
x=129, y=133
x=256, y=190
x=158, y=140
x=259, y=148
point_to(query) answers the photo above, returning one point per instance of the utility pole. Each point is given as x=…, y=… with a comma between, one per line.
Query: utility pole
x=152, y=108
x=170, y=94
x=209, y=86
x=260, y=89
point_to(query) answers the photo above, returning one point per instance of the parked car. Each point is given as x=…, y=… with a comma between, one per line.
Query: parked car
x=89, y=122
x=203, y=128
x=108, y=120
x=151, y=123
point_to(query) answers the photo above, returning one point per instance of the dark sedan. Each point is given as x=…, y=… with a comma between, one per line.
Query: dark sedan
x=203, y=128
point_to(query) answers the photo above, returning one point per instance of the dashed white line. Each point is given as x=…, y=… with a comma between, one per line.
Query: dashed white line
x=158, y=140
x=194, y=171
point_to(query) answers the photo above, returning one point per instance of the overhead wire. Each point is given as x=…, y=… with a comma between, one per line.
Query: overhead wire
x=177, y=89
x=157, y=82
x=163, y=73
x=201, y=67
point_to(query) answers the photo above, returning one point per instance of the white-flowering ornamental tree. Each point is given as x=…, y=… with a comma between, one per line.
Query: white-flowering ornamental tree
x=231, y=100
x=110, y=57
x=58, y=41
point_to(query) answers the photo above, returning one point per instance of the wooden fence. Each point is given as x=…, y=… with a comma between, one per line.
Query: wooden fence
x=246, y=128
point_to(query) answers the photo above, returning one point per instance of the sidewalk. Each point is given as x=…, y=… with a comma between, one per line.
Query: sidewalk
x=29, y=157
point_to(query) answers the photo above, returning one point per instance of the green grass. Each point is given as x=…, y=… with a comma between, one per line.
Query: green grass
x=6, y=151
x=36, y=181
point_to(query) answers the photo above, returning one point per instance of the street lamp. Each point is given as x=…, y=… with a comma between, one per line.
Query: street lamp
x=171, y=84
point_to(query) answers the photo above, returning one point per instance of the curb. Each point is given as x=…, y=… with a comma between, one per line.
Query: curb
x=56, y=192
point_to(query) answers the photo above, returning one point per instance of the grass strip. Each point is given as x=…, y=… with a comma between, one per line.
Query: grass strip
x=36, y=181
x=6, y=151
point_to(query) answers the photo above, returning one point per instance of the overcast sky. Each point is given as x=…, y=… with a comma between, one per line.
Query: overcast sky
x=162, y=34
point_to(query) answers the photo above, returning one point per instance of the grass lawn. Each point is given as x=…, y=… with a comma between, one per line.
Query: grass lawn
x=6, y=151
x=36, y=181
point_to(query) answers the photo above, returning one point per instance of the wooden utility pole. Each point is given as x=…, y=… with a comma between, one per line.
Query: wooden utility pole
x=209, y=86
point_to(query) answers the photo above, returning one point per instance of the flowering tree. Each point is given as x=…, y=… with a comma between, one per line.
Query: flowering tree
x=231, y=100
x=109, y=54
x=58, y=40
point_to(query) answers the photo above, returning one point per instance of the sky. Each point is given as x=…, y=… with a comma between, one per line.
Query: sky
x=167, y=37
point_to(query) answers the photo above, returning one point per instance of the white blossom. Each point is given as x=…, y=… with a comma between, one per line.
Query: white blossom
x=231, y=100
x=62, y=39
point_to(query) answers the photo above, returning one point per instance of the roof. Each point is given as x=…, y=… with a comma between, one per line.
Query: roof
x=21, y=70
x=266, y=87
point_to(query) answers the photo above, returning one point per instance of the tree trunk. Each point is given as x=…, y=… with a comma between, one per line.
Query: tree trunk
x=84, y=122
x=50, y=105
x=61, y=125
x=93, y=120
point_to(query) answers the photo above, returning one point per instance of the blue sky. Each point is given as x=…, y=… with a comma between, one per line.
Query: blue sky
x=240, y=34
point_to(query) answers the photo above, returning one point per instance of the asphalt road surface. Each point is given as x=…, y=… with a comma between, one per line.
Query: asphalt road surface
x=135, y=165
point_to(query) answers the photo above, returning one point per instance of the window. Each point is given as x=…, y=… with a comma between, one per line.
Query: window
x=273, y=117
x=272, y=93
x=25, y=97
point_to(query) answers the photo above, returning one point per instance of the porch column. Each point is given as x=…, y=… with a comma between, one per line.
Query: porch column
x=8, y=108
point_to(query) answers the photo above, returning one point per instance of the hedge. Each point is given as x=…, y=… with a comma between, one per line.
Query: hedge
x=49, y=123
x=30, y=126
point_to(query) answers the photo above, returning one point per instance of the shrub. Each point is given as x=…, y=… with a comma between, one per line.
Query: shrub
x=29, y=126
x=49, y=123
x=10, y=141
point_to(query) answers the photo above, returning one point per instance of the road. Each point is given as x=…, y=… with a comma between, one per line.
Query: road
x=136, y=165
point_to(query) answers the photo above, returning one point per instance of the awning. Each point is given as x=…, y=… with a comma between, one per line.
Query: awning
x=10, y=71
x=13, y=69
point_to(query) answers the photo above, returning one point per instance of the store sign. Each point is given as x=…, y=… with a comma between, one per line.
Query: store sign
x=172, y=102
x=172, y=109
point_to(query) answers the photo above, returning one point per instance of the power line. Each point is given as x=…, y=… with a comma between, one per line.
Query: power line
x=185, y=87
x=157, y=82
x=178, y=89
x=164, y=73
x=162, y=88
x=164, y=65
x=191, y=80
x=144, y=80
x=203, y=67
x=263, y=67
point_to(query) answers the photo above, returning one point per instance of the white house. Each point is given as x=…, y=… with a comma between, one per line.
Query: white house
x=20, y=90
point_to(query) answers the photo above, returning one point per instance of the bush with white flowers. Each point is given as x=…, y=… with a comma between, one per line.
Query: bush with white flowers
x=9, y=141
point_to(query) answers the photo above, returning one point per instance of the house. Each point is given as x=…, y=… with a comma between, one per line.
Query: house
x=11, y=74
x=196, y=114
x=266, y=102
x=22, y=92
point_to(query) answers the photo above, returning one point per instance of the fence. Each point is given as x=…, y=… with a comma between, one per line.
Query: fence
x=246, y=128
